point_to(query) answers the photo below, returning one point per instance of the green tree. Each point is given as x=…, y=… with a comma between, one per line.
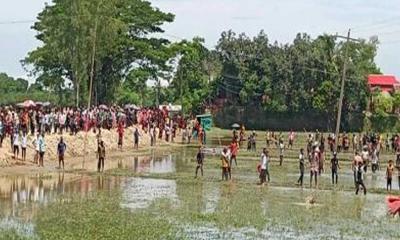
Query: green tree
x=99, y=40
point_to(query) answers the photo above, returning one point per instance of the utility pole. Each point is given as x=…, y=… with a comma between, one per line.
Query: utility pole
x=92, y=60
x=339, y=114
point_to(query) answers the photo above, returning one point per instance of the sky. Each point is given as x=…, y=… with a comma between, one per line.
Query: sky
x=281, y=20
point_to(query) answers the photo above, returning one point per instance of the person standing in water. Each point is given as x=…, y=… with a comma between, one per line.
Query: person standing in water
x=334, y=168
x=301, y=167
x=24, y=144
x=281, y=150
x=225, y=164
x=291, y=139
x=264, y=167
x=61, y=147
x=360, y=178
x=120, y=131
x=101, y=151
x=314, y=166
x=200, y=160
x=136, y=136
x=42, y=150
x=234, y=148
x=16, y=144
x=389, y=175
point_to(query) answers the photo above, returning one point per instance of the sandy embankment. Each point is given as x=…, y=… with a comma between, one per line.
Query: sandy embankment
x=81, y=147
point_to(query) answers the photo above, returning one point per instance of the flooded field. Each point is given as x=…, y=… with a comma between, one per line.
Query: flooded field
x=155, y=196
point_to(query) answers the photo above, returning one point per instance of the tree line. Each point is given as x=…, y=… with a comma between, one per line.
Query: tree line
x=109, y=51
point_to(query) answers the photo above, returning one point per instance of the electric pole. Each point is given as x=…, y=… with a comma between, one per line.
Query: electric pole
x=339, y=113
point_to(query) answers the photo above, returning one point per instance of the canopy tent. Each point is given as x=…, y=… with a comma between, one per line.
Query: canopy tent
x=205, y=120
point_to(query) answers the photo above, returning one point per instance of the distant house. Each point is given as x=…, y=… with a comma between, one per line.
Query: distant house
x=386, y=83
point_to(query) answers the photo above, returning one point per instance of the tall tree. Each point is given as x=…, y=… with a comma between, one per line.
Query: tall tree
x=96, y=40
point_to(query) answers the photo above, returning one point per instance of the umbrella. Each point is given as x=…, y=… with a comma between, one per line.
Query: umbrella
x=103, y=107
x=39, y=104
x=46, y=104
x=235, y=125
x=28, y=104
x=21, y=105
x=131, y=106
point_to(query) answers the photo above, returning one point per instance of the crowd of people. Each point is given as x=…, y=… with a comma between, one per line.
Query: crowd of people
x=366, y=148
x=16, y=123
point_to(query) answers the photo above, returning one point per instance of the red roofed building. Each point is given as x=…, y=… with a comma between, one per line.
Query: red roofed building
x=387, y=83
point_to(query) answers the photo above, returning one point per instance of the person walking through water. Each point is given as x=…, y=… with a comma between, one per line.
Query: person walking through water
x=301, y=167
x=101, y=151
x=360, y=178
x=200, y=160
x=356, y=161
x=334, y=168
x=61, y=147
x=264, y=162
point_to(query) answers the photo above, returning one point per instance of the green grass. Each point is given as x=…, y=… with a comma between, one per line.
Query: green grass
x=100, y=217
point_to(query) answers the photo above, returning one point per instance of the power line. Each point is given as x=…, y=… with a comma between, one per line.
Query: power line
x=16, y=22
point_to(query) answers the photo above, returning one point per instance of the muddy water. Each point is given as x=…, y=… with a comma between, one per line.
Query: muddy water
x=238, y=212
x=21, y=196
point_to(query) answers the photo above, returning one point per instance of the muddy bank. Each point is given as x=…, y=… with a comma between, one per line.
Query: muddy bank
x=81, y=150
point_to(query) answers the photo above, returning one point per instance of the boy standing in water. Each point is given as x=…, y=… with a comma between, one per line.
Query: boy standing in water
x=61, y=147
x=334, y=168
x=360, y=178
x=120, y=131
x=301, y=167
x=24, y=144
x=225, y=164
x=136, y=136
x=101, y=151
x=200, y=160
x=389, y=175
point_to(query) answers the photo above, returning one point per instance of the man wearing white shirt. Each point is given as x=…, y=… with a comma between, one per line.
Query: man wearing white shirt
x=16, y=144
x=264, y=162
x=24, y=143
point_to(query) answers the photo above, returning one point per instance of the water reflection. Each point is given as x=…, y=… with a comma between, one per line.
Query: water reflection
x=152, y=163
x=22, y=195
